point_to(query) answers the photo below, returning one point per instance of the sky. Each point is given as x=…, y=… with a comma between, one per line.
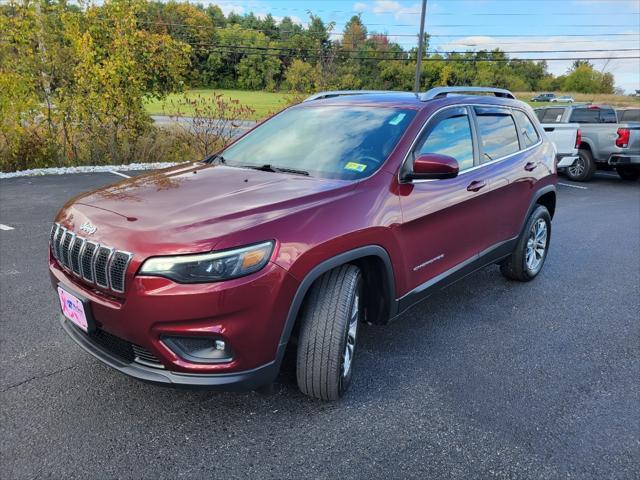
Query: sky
x=511, y=25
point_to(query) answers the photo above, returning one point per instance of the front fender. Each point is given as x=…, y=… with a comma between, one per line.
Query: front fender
x=350, y=256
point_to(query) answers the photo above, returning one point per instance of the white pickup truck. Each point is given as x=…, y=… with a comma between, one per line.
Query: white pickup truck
x=605, y=142
x=566, y=138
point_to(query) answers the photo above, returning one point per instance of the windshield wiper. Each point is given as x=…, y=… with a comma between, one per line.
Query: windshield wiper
x=270, y=168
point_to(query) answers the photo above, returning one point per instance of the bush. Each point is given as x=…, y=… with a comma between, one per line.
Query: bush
x=212, y=124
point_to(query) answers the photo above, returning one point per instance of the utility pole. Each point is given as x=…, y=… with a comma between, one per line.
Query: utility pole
x=42, y=52
x=416, y=85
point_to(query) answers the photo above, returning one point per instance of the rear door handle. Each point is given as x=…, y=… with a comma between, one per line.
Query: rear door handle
x=476, y=185
x=530, y=166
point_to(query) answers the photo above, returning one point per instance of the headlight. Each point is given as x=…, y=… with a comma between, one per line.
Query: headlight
x=210, y=267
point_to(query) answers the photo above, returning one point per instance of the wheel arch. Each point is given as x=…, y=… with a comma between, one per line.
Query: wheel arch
x=545, y=196
x=585, y=144
x=548, y=200
x=375, y=264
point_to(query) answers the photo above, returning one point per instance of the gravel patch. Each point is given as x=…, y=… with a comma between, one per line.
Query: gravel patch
x=34, y=172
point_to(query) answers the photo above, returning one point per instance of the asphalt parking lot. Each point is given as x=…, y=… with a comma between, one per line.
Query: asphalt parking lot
x=488, y=379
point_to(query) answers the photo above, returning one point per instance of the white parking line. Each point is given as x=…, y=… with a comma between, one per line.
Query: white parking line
x=5, y=227
x=572, y=186
x=118, y=173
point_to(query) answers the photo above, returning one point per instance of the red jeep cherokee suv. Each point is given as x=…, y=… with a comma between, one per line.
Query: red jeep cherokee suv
x=349, y=207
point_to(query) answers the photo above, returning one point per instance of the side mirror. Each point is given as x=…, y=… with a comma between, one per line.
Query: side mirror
x=433, y=166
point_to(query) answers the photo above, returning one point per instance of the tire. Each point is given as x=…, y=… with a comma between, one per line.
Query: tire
x=328, y=333
x=531, y=246
x=583, y=168
x=628, y=173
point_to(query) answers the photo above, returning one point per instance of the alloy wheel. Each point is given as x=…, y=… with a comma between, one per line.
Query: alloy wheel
x=536, y=245
x=578, y=167
x=352, y=332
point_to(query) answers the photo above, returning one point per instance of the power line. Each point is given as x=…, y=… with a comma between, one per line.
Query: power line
x=442, y=52
x=572, y=42
x=229, y=50
x=450, y=14
x=307, y=32
x=536, y=35
x=389, y=35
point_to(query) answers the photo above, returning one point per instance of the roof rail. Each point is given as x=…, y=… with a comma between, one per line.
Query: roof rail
x=438, y=92
x=340, y=93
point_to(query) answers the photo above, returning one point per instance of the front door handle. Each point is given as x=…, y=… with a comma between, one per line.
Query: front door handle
x=530, y=166
x=476, y=185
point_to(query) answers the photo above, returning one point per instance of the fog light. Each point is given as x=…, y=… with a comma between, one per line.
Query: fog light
x=200, y=349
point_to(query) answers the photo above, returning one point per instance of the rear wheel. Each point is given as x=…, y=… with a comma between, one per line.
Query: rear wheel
x=328, y=333
x=628, y=173
x=528, y=257
x=583, y=168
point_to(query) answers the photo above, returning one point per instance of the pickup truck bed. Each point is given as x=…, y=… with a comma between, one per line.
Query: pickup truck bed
x=565, y=136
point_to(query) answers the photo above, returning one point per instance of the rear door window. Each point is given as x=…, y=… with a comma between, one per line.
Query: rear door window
x=497, y=133
x=551, y=115
x=608, y=115
x=585, y=115
x=528, y=132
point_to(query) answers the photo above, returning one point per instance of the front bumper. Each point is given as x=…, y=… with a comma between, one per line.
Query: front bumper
x=248, y=313
x=565, y=161
x=245, y=380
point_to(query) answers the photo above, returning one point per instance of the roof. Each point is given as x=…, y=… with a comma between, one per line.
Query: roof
x=404, y=99
x=390, y=98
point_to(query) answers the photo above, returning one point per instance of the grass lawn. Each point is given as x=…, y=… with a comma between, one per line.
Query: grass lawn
x=265, y=103
x=262, y=102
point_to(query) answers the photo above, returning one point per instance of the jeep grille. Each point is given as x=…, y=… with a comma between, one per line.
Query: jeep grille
x=91, y=261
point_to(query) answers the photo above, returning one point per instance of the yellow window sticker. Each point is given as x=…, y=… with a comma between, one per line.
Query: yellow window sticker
x=356, y=167
x=397, y=119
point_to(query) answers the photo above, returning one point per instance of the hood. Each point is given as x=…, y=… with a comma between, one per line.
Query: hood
x=190, y=208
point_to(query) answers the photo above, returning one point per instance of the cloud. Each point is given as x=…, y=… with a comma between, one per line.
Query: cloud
x=228, y=6
x=386, y=6
x=278, y=19
x=360, y=7
x=407, y=13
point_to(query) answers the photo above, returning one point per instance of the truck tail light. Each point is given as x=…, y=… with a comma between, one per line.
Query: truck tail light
x=623, y=137
x=578, y=138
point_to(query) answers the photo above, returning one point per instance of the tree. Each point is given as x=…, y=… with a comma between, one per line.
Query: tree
x=301, y=76
x=585, y=79
x=246, y=59
x=355, y=33
x=186, y=23
x=83, y=75
x=258, y=72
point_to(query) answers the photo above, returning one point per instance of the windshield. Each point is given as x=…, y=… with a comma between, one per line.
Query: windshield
x=343, y=142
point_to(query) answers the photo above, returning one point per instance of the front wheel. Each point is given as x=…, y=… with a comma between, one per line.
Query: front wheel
x=328, y=333
x=528, y=257
x=628, y=173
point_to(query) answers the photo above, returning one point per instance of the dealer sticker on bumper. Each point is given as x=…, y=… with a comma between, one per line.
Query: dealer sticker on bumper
x=73, y=309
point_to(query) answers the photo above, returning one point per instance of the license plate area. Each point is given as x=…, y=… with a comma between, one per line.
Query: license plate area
x=76, y=309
